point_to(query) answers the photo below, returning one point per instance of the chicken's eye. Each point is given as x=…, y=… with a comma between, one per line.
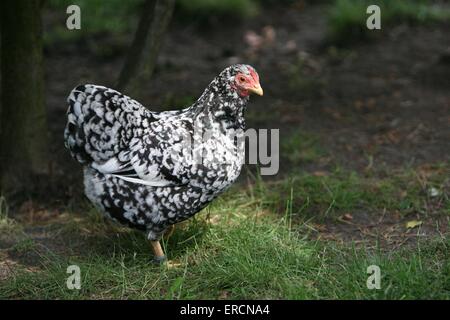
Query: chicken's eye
x=241, y=79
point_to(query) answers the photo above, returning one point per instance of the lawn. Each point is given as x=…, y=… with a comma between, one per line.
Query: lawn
x=292, y=239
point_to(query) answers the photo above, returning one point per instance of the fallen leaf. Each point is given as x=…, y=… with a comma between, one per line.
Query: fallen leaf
x=413, y=223
x=320, y=173
x=347, y=217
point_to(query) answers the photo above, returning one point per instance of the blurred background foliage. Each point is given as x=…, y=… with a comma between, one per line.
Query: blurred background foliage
x=348, y=17
x=344, y=17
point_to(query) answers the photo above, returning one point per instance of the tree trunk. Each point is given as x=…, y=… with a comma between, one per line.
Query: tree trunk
x=23, y=125
x=141, y=58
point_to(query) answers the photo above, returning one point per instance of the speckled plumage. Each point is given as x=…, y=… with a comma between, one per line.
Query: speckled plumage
x=142, y=168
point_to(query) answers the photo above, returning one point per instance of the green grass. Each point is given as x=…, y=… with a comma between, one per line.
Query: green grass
x=339, y=191
x=248, y=244
x=6, y=223
x=262, y=260
x=347, y=18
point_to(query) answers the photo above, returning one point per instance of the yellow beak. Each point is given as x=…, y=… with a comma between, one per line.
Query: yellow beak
x=257, y=90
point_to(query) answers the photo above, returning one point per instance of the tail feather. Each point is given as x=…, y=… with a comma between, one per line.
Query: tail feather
x=74, y=135
x=100, y=123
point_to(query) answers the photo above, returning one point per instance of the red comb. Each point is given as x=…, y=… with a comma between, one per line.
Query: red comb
x=254, y=74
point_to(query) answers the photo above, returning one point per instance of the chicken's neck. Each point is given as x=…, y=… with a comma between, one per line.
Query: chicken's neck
x=223, y=106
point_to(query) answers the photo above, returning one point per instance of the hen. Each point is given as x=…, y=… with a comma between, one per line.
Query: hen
x=151, y=170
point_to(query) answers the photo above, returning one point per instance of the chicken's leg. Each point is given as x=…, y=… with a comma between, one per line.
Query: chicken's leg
x=158, y=251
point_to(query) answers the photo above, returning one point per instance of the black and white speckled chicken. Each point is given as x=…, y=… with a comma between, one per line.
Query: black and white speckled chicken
x=151, y=170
